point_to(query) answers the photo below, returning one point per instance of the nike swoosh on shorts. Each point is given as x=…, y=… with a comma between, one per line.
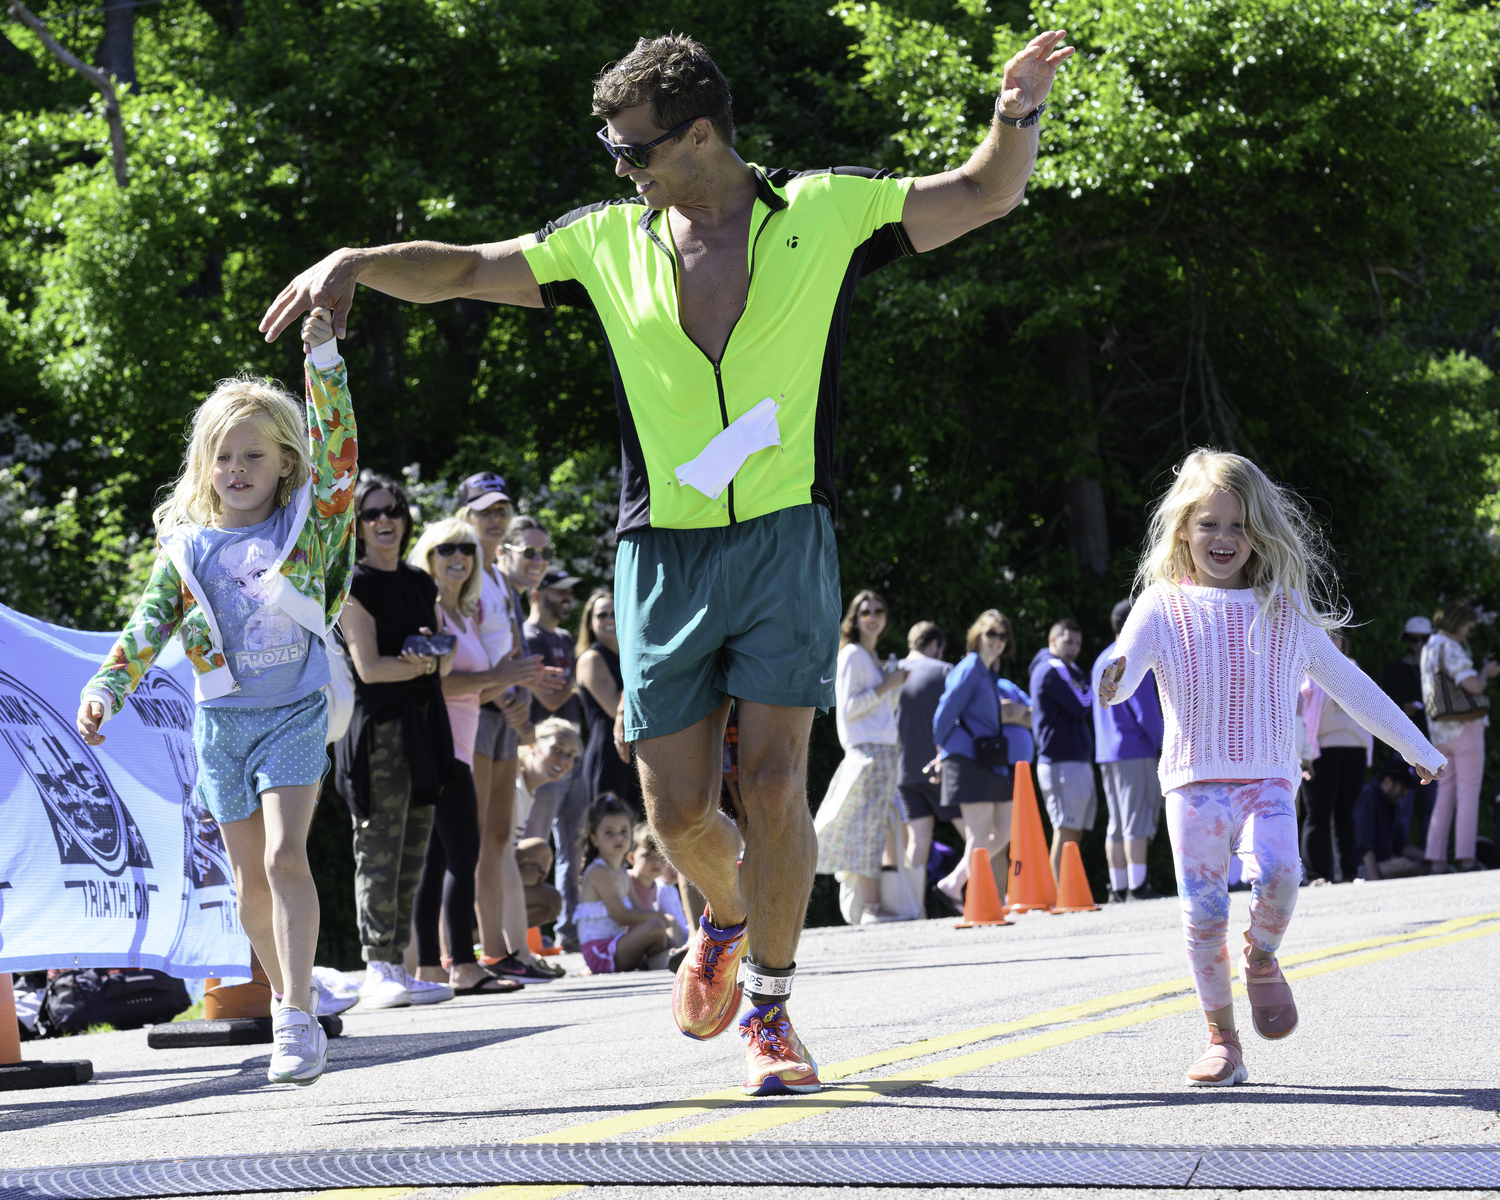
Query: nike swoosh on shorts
x=828, y=680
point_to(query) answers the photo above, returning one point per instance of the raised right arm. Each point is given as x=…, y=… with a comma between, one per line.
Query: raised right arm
x=418, y=271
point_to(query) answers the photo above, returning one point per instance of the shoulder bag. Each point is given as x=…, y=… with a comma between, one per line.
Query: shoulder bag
x=988, y=751
x=1449, y=701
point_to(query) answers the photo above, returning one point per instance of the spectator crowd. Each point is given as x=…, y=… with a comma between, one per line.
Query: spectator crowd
x=491, y=794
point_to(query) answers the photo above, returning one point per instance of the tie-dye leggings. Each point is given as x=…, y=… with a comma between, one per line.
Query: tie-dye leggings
x=1208, y=822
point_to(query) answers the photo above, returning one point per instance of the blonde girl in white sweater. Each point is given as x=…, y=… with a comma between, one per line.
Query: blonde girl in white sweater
x=1236, y=603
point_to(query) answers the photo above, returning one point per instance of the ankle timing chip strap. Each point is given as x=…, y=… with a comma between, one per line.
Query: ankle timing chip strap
x=768, y=981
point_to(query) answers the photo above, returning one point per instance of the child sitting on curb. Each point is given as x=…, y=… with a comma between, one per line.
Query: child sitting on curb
x=614, y=936
x=649, y=887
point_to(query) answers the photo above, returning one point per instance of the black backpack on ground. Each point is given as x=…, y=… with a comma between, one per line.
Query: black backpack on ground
x=125, y=999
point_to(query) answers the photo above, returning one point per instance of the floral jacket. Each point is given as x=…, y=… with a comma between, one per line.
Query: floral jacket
x=311, y=580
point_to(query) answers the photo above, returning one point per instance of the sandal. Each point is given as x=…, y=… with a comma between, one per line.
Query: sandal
x=489, y=985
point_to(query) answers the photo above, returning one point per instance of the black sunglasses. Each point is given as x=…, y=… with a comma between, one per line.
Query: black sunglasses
x=449, y=549
x=373, y=514
x=530, y=552
x=872, y=612
x=639, y=156
x=996, y=633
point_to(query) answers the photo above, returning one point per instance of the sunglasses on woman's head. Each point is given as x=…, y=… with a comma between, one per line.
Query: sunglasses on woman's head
x=639, y=156
x=530, y=552
x=449, y=549
x=372, y=514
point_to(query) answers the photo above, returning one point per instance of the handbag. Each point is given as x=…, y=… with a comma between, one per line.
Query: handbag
x=988, y=751
x=1449, y=701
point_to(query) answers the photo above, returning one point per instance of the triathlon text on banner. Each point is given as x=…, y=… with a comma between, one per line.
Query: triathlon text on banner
x=106, y=859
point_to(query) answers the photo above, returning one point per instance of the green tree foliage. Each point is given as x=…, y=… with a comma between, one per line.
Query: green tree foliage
x=1266, y=224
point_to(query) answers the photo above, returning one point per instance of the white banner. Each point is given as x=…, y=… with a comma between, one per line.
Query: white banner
x=106, y=860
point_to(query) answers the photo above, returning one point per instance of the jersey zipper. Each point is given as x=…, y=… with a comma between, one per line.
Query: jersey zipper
x=718, y=376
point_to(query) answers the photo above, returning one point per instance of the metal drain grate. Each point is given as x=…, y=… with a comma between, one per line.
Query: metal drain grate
x=868, y=1164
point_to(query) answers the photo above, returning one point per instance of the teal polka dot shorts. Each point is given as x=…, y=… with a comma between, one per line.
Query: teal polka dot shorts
x=243, y=752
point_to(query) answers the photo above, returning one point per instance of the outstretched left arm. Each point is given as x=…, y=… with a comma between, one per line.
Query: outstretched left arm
x=942, y=207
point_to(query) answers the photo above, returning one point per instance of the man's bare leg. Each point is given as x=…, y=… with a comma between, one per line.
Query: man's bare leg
x=781, y=848
x=681, y=775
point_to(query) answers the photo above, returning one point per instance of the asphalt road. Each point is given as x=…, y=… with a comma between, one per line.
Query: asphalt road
x=1057, y=1029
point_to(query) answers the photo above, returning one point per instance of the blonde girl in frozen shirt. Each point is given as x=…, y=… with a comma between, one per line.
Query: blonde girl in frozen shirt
x=255, y=554
x=1235, y=608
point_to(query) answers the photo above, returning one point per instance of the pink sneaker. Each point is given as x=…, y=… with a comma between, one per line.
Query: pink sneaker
x=1273, y=1012
x=1222, y=1064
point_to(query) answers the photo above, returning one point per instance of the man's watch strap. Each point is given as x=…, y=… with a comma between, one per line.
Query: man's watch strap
x=1025, y=122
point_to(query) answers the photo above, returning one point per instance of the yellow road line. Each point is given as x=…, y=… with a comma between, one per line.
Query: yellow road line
x=661, y=1114
x=367, y=1193
x=758, y=1119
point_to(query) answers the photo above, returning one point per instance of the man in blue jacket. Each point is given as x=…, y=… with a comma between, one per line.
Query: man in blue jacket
x=1127, y=745
x=1062, y=718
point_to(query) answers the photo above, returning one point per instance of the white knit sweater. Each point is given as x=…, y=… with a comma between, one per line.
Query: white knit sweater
x=1229, y=695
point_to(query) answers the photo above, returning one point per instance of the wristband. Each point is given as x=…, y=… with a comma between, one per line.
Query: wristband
x=1030, y=119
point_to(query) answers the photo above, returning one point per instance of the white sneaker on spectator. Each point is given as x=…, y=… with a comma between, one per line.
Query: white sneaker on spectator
x=424, y=991
x=300, y=1050
x=329, y=1005
x=384, y=986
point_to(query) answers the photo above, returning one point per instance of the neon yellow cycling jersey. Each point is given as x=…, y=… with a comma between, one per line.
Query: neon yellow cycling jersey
x=813, y=236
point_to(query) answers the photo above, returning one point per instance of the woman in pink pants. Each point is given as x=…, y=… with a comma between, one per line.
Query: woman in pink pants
x=1446, y=667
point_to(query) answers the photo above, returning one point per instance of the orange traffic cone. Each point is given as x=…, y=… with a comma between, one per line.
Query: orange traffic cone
x=1032, y=884
x=981, y=898
x=534, y=943
x=1074, y=894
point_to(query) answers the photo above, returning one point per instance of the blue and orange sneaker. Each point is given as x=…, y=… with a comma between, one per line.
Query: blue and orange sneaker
x=776, y=1061
x=706, y=993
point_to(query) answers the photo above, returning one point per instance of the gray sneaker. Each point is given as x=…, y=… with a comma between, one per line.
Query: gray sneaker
x=300, y=1050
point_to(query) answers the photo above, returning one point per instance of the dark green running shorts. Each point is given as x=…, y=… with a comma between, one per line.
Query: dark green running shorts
x=749, y=610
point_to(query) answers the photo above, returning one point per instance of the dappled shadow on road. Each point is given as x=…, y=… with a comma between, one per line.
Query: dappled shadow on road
x=237, y=1078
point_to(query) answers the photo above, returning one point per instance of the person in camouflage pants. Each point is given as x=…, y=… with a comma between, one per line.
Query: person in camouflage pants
x=390, y=846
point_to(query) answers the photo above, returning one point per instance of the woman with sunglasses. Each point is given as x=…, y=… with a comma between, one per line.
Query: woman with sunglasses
x=398, y=751
x=487, y=508
x=977, y=704
x=448, y=552
x=854, y=821
x=523, y=553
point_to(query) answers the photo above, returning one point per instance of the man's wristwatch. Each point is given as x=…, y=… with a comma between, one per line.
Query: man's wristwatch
x=1025, y=122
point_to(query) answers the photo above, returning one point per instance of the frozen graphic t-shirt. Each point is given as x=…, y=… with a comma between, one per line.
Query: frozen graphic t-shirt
x=273, y=659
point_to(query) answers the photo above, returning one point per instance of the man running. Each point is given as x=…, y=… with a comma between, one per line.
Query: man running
x=723, y=290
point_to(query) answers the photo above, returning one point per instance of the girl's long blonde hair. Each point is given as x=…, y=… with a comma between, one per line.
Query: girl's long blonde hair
x=191, y=499
x=1288, y=553
x=450, y=529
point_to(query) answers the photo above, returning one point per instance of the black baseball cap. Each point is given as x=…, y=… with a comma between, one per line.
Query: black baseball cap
x=559, y=579
x=479, y=492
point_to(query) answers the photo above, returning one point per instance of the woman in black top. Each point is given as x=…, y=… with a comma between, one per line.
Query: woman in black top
x=398, y=751
x=601, y=687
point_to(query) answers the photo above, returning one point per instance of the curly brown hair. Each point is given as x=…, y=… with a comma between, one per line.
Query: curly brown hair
x=673, y=74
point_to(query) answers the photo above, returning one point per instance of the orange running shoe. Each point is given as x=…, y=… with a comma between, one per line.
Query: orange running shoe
x=706, y=993
x=776, y=1061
